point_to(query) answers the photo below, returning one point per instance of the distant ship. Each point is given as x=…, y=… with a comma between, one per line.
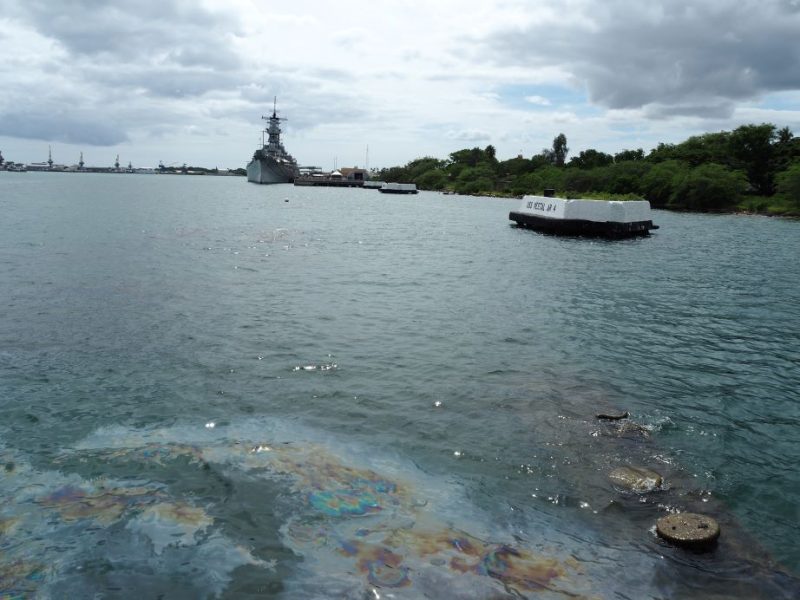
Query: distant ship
x=271, y=163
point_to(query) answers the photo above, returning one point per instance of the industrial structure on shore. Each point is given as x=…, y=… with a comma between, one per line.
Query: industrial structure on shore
x=50, y=166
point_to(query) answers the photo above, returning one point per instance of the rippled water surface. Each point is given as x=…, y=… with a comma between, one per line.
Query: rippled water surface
x=211, y=388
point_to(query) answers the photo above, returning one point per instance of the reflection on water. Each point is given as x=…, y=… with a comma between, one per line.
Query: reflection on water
x=206, y=391
x=361, y=522
x=62, y=534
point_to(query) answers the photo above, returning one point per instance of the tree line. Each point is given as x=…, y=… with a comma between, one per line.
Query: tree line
x=753, y=168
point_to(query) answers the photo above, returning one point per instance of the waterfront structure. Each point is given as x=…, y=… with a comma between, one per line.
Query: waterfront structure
x=344, y=177
x=354, y=173
x=603, y=218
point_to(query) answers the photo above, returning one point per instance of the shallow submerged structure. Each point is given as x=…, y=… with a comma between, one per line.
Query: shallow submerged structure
x=213, y=510
x=599, y=218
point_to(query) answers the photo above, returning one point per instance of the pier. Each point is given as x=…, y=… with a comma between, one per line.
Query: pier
x=326, y=181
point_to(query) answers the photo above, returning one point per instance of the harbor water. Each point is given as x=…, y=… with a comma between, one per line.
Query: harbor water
x=211, y=388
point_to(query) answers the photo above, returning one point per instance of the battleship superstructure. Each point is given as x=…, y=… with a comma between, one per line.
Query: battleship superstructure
x=271, y=163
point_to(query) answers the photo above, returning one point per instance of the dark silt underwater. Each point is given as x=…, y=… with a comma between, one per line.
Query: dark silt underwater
x=208, y=391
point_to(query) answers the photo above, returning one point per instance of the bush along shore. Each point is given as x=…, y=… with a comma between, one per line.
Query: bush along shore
x=753, y=169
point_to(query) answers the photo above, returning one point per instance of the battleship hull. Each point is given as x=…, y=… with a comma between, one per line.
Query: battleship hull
x=268, y=170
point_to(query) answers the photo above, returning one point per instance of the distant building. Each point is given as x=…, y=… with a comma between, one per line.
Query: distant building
x=353, y=174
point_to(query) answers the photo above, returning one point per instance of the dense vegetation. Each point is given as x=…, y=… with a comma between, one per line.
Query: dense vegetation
x=753, y=168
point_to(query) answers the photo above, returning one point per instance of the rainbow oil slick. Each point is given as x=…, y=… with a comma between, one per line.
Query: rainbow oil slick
x=357, y=526
x=55, y=527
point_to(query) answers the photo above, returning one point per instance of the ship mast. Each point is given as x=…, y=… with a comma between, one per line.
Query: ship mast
x=274, y=129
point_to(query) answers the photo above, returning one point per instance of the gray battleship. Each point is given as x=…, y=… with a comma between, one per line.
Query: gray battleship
x=271, y=163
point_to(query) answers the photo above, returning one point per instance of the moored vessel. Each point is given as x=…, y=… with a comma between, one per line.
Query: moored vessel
x=599, y=218
x=399, y=188
x=272, y=163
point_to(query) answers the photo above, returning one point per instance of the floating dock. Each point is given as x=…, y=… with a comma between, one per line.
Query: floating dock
x=399, y=188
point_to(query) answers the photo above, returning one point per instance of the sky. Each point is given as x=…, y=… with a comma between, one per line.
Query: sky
x=379, y=83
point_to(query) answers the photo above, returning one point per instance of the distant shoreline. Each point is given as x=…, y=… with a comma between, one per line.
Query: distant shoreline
x=101, y=171
x=734, y=210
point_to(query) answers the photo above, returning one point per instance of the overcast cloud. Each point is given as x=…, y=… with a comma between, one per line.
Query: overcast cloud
x=187, y=81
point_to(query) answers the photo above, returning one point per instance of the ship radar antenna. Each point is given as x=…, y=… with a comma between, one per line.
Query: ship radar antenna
x=274, y=106
x=80, y=162
x=50, y=156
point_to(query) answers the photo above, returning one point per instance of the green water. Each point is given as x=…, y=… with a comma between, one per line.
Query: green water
x=423, y=339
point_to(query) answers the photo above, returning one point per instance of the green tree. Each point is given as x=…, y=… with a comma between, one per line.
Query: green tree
x=661, y=153
x=411, y=170
x=752, y=152
x=474, y=180
x=590, y=159
x=543, y=159
x=785, y=150
x=625, y=177
x=661, y=180
x=419, y=166
x=784, y=135
x=708, y=187
x=697, y=150
x=527, y=183
x=434, y=179
x=551, y=177
x=394, y=174
x=560, y=150
x=628, y=155
x=515, y=167
x=580, y=180
x=788, y=184
x=468, y=156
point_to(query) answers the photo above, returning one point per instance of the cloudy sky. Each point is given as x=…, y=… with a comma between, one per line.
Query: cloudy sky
x=188, y=80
